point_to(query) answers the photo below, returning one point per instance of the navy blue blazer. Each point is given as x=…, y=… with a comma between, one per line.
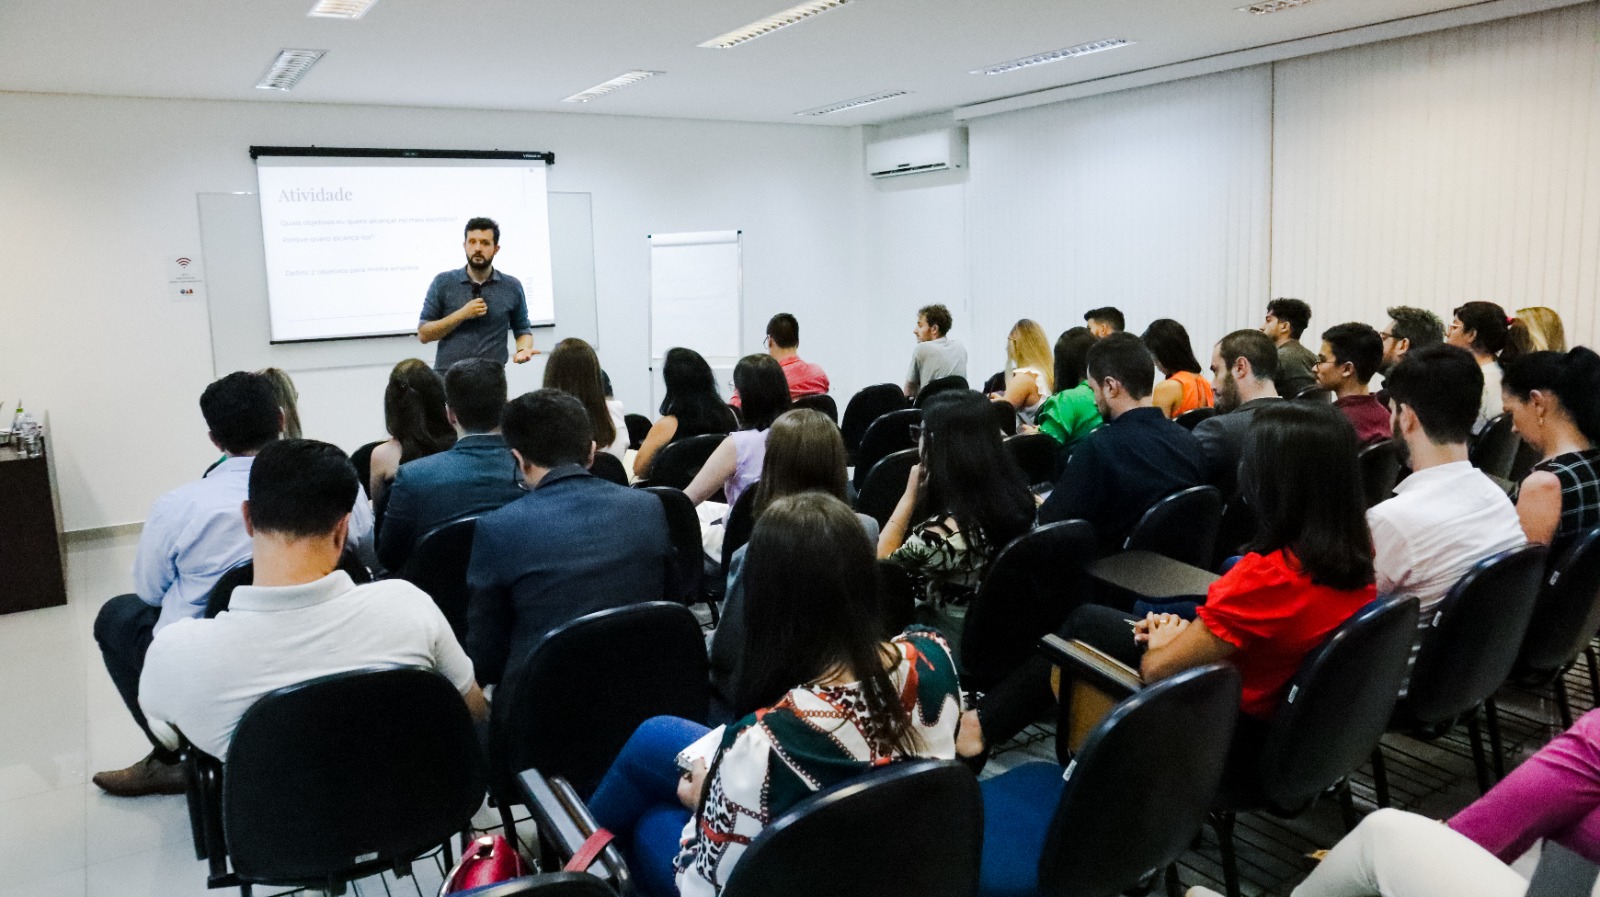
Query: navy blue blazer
x=574, y=545
x=477, y=475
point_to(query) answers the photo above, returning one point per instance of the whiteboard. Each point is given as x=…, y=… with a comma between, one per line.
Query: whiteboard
x=696, y=294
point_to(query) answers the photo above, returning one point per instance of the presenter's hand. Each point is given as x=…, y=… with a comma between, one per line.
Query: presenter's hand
x=477, y=308
x=524, y=355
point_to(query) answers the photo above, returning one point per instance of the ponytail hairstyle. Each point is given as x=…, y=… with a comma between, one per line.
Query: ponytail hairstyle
x=413, y=410
x=1536, y=329
x=1573, y=378
x=1488, y=324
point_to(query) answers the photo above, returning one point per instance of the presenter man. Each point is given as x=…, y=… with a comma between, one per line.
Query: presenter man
x=468, y=310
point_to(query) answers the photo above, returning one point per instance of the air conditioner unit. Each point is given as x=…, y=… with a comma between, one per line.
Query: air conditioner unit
x=934, y=151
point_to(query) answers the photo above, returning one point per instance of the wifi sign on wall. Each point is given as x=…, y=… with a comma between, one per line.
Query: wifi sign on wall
x=184, y=280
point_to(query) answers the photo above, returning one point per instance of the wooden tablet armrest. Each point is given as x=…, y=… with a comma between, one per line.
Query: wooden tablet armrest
x=1089, y=683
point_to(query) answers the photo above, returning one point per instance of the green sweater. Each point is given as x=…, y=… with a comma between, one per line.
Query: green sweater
x=1069, y=415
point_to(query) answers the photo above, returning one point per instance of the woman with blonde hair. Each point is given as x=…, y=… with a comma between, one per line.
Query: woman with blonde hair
x=414, y=415
x=1029, y=364
x=1536, y=329
x=574, y=369
x=289, y=399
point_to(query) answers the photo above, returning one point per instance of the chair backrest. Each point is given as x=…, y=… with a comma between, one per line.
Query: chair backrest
x=914, y=827
x=638, y=428
x=362, y=459
x=1038, y=455
x=1494, y=449
x=885, y=484
x=867, y=406
x=547, y=884
x=1031, y=586
x=1474, y=635
x=1339, y=703
x=888, y=434
x=1568, y=610
x=590, y=683
x=1141, y=784
x=608, y=467
x=1315, y=393
x=1380, y=470
x=438, y=566
x=687, y=572
x=1005, y=416
x=938, y=385
x=1183, y=526
x=820, y=402
x=1192, y=418
x=241, y=574
x=380, y=762
x=738, y=525
x=678, y=462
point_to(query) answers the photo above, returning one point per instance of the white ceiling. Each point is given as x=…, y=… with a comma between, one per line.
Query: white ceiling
x=529, y=54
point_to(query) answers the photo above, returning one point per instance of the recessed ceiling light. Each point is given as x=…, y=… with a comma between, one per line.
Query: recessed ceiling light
x=617, y=83
x=340, y=9
x=772, y=23
x=858, y=102
x=289, y=68
x=1262, y=9
x=1054, y=56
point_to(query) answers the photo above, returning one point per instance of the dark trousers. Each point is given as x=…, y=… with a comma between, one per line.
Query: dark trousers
x=124, y=628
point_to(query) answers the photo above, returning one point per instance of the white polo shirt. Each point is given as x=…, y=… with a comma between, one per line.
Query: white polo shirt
x=202, y=675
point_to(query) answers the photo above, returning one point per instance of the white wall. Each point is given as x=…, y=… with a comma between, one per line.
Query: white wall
x=96, y=192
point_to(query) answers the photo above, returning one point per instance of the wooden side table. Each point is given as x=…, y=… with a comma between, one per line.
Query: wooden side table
x=31, y=571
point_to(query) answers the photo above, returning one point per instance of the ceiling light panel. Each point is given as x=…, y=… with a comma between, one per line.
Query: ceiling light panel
x=1262, y=9
x=763, y=27
x=289, y=68
x=617, y=83
x=856, y=103
x=1055, y=56
x=340, y=9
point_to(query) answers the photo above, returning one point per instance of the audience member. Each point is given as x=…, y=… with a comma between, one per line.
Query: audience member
x=192, y=536
x=1481, y=328
x=574, y=369
x=1071, y=413
x=736, y=463
x=1105, y=321
x=1554, y=400
x=289, y=399
x=303, y=617
x=475, y=475
x=1029, y=366
x=1349, y=357
x=1244, y=368
x=783, y=344
x=837, y=699
x=1536, y=329
x=414, y=415
x=1134, y=461
x=1447, y=515
x=1286, y=320
x=1308, y=569
x=963, y=502
x=573, y=545
x=691, y=407
x=1409, y=328
x=936, y=355
x=1184, y=389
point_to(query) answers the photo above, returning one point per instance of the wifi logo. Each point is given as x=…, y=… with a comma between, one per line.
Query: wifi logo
x=185, y=262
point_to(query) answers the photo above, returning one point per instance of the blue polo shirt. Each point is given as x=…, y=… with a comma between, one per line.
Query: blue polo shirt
x=481, y=337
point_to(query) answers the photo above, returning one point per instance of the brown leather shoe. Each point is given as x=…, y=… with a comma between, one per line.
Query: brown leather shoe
x=148, y=776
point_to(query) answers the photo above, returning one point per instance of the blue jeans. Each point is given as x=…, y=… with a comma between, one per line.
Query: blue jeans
x=638, y=800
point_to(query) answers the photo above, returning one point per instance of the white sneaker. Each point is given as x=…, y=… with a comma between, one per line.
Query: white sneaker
x=1198, y=891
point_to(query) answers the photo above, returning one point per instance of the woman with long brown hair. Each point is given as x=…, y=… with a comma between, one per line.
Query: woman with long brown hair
x=414, y=415
x=574, y=368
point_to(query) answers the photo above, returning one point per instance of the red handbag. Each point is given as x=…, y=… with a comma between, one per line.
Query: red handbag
x=488, y=861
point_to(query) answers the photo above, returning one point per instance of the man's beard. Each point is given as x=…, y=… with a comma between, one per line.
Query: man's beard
x=478, y=264
x=1228, y=395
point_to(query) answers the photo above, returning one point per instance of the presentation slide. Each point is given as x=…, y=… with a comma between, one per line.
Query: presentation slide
x=352, y=244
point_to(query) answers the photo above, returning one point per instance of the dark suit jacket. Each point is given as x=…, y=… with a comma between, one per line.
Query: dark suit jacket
x=476, y=475
x=575, y=545
x=1222, y=438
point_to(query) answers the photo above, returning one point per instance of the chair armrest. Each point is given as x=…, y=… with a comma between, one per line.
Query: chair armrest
x=565, y=823
x=1089, y=684
x=1152, y=577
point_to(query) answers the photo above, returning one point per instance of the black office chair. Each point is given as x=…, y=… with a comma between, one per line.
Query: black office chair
x=336, y=779
x=1565, y=617
x=1183, y=526
x=244, y=574
x=924, y=816
x=607, y=467
x=888, y=434
x=1314, y=393
x=1238, y=527
x=1467, y=652
x=738, y=525
x=1494, y=449
x=1131, y=803
x=1038, y=455
x=438, y=566
x=885, y=484
x=678, y=462
x=638, y=428
x=936, y=386
x=362, y=459
x=1031, y=586
x=568, y=710
x=686, y=576
x=1192, y=418
x=1525, y=458
x=1380, y=470
x=547, y=884
x=1336, y=710
x=1005, y=417
x=822, y=402
x=865, y=407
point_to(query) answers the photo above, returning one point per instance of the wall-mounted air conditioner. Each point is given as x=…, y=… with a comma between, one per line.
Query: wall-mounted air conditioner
x=935, y=151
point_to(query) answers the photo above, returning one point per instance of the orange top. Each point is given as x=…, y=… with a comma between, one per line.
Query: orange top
x=1197, y=392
